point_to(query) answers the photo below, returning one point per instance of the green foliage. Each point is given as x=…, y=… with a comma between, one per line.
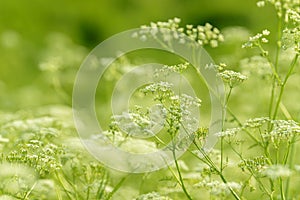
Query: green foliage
x=256, y=156
x=35, y=164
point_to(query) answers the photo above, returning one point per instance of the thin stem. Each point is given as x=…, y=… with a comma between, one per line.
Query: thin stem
x=281, y=189
x=286, y=156
x=283, y=84
x=119, y=184
x=273, y=68
x=278, y=48
x=223, y=120
x=222, y=155
x=29, y=192
x=179, y=173
x=291, y=156
x=180, y=179
x=272, y=99
x=88, y=192
x=241, y=125
x=235, y=195
x=279, y=35
x=285, y=111
x=63, y=186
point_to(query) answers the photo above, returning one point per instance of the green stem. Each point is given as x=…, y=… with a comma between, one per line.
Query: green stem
x=63, y=186
x=252, y=173
x=117, y=187
x=273, y=67
x=271, y=103
x=223, y=120
x=241, y=125
x=222, y=155
x=179, y=173
x=281, y=189
x=291, y=156
x=279, y=35
x=283, y=84
x=29, y=192
x=219, y=172
x=101, y=188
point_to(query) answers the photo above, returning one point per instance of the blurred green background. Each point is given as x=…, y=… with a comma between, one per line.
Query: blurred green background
x=33, y=31
x=43, y=43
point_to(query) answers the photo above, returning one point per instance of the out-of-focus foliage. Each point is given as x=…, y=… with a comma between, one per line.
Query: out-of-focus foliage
x=42, y=45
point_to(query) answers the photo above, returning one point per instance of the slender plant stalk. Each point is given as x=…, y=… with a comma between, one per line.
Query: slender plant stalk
x=281, y=189
x=117, y=187
x=178, y=171
x=219, y=172
x=282, y=86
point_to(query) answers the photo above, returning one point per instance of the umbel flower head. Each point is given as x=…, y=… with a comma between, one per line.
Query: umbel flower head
x=229, y=77
x=254, y=165
x=217, y=188
x=170, y=30
x=257, y=40
x=283, y=131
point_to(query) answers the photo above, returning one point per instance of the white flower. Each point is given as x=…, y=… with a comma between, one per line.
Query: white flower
x=228, y=132
x=264, y=40
x=266, y=32
x=277, y=171
x=218, y=188
x=256, y=122
x=260, y=4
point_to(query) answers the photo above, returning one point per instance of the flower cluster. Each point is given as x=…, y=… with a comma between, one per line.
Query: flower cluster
x=166, y=70
x=201, y=133
x=258, y=40
x=254, y=165
x=180, y=111
x=291, y=39
x=228, y=133
x=161, y=90
x=203, y=35
x=134, y=123
x=289, y=10
x=256, y=122
x=229, y=77
x=181, y=67
x=276, y=3
x=281, y=6
x=42, y=157
x=167, y=30
x=232, y=78
x=283, y=131
x=38, y=147
x=293, y=16
x=219, y=189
